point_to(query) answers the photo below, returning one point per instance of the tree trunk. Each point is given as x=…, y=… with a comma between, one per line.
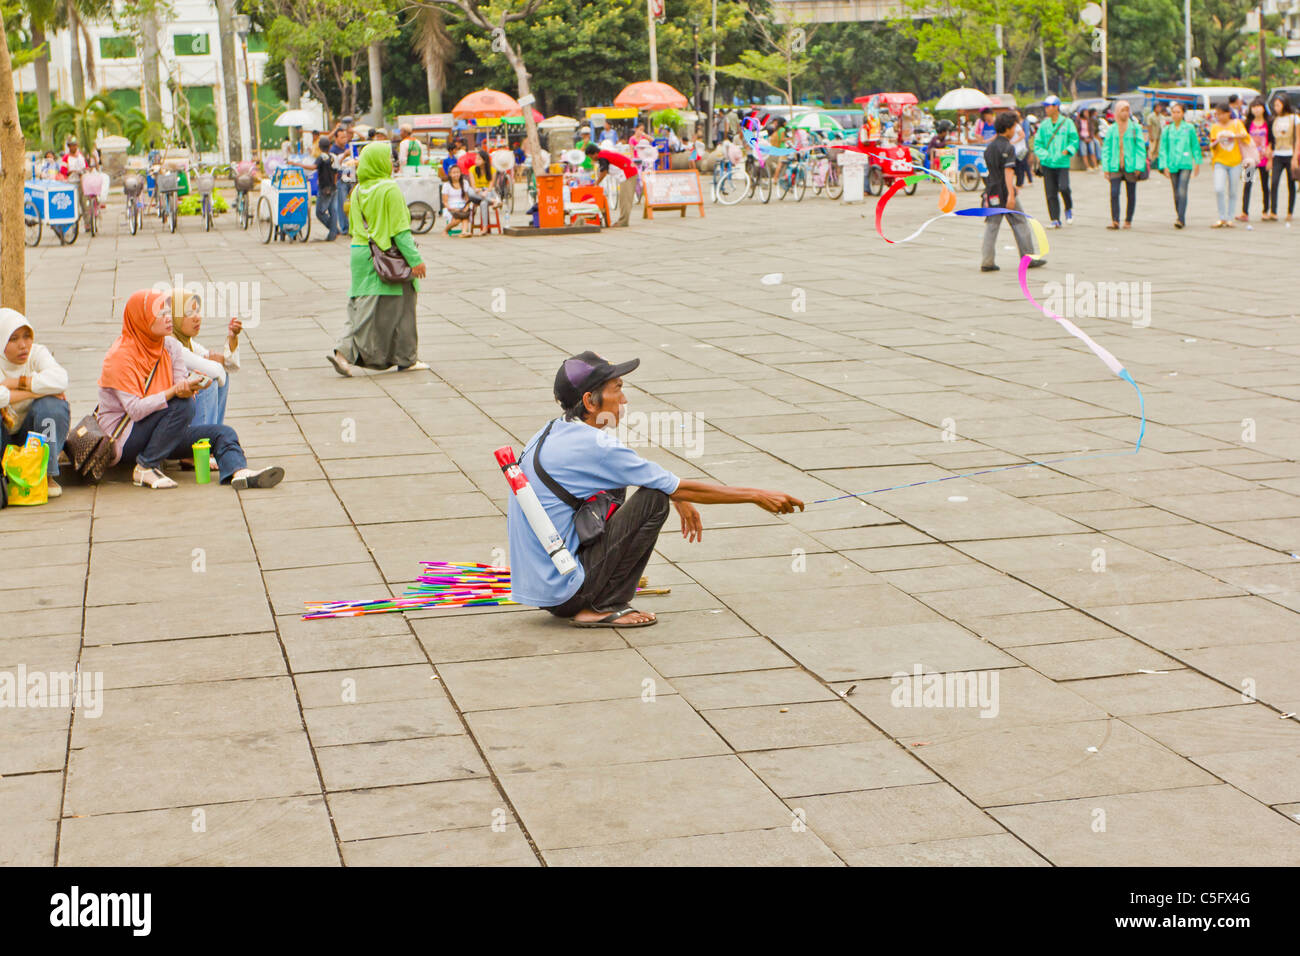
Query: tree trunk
x=229, y=79
x=78, y=80
x=376, y=86
x=13, y=249
x=435, y=94
x=41, y=65
x=293, y=82
x=149, y=57
x=532, y=145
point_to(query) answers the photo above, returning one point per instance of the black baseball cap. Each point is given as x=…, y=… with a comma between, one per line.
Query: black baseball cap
x=582, y=373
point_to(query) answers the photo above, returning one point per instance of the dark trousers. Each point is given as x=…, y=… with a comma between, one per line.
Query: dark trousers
x=325, y=211
x=1180, y=180
x=1130, y=190
x=1057, y=181
x=167, y=433
x=48, y=415
x=1281, y=163
x=615, y=561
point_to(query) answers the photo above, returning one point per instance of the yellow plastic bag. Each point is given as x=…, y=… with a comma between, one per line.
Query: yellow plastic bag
x=26, y=467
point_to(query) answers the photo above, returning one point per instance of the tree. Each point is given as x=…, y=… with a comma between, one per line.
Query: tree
x=493, y=21
x=434, y=45
x=326, y=40
x=84, y=120
x=13, y=249
x=786, y=59
x=229, y=76
x=1217, y=35
x=43, y=18
x=851, y=59
x=143, y=132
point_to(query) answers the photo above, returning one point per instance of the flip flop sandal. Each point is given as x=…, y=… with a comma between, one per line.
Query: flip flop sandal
x=265, y=478
x=612, y=620
x=339, y=365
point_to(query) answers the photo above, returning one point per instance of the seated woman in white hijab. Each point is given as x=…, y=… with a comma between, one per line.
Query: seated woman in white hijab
x=209, y=404
x=31, y=391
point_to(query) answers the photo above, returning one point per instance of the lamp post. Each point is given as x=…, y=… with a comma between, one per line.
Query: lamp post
x=713, y=73
x=243, y=27
x=1094, y=15
x=695, y=60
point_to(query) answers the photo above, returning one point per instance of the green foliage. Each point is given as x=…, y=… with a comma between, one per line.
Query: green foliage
x=670, y=118
x=766, y=69
x=143, y=133
x=85, y=121
x=852, y=59
x=192, y=205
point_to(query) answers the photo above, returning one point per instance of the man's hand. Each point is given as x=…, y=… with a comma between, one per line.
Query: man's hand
x=692, y=526
x=419, y=271
x=235, y=327
x=777, y=502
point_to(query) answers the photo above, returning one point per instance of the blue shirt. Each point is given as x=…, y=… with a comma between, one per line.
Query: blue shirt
x=582, y=460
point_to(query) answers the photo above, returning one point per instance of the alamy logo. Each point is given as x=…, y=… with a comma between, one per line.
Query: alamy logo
x=83, y=692
x=1099, y=300
x=75, y=908
x=683, y=430
x=958, y=689
x=221, y=301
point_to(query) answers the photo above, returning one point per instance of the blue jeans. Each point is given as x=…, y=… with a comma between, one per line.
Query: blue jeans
x=1181, y=180
x=210, y=404
x=325, y=211
x=1226, y=181
x=340, y=197
x=168, y=433
x=48, y=415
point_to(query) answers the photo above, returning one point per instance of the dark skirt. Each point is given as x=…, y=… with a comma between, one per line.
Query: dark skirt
x=381, y=330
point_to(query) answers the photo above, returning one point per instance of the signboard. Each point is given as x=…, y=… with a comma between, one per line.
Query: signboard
x=526, y=101
x=672, y=190
x=190, y=44
x=426, y=121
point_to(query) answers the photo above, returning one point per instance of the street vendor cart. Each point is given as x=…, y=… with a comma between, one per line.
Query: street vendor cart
x=54, y=204
x=284, y=206
x=422, y=193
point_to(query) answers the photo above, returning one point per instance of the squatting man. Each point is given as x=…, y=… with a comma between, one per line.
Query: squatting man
x=579, y=460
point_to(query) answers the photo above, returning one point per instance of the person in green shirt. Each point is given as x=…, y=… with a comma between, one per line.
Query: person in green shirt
x=381, y=315
x=1179, y=158
x=1123, y=160
x=1055, y=142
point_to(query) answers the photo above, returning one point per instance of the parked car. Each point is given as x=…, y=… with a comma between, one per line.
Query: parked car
x=1292, y=93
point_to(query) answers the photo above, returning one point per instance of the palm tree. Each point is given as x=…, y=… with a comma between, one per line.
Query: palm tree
x=85, y=120
x=143, y=132
x=435, y=48
x=43, y=18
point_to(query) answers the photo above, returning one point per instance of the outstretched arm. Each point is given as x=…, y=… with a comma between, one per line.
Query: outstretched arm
x=707, y=493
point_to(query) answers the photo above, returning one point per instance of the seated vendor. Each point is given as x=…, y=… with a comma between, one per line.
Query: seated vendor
x=31, y=391
x=581, y=458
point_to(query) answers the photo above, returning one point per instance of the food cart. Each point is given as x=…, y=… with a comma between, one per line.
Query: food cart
x=284, y=206
x=423, y=195
x=54, y=204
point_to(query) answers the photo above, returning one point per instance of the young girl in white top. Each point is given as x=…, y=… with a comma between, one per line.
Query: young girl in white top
x=210, y=403
x=31, y=391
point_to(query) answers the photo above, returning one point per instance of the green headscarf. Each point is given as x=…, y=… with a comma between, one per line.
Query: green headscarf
x=380, y=200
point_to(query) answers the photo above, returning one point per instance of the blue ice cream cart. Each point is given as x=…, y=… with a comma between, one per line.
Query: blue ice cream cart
x=53, y=203
x=284, y=207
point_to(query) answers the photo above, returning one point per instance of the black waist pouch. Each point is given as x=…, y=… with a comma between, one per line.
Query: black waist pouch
x=589, y=516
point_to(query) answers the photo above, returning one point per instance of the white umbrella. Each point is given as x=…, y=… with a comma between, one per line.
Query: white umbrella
x=303, y=118
x=963, y=98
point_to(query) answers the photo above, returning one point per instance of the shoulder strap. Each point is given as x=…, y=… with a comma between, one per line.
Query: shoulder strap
x=126, y=419
x=547, y=480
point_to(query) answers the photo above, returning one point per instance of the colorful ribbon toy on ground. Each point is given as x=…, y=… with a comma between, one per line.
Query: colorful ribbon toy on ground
x=947, y=202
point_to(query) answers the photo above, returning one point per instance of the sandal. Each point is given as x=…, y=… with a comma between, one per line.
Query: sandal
x=265, y=478
x=150, y=478
x=612, y=619
x=340, y=364
x=1113, y=225
x=1218, y=225
x=1128, y=225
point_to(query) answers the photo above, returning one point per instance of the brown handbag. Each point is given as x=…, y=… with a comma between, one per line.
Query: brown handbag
x=390, y=264
x=89, y=449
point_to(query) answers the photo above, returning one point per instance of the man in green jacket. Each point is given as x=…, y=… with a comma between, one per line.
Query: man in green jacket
x=1055, y=142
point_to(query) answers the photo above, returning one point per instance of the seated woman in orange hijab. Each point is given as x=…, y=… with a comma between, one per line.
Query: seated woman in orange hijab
x=144, y=379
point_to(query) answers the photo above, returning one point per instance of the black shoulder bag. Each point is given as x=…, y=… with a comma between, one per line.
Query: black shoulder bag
x=590, y=516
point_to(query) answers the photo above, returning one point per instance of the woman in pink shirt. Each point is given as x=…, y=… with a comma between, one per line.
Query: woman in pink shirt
x=1257, y=126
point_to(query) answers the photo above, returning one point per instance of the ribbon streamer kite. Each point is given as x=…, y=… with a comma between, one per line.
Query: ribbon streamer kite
x=947, y=200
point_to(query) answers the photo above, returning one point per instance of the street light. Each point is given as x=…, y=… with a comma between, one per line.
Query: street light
x=1094, y=15
x=243, y=27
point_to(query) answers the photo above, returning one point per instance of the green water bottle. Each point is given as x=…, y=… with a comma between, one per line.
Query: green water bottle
x=202, y=462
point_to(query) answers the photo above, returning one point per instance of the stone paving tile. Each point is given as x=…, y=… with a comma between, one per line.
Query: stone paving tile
x=917, y=813
x=750, y=688
x=292, y=831
x=415, y=808
x=593, y=734
x=1000, y=849
x=778, y=847
x=1154, y=693
x=837, y=768
x=557, y=679
x=588, y=807
x=191, y=660
x=1193, y=826
x=393, y=762
x=714, y=657
x=479, y=846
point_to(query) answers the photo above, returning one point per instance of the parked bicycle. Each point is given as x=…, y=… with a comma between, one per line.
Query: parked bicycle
x=760, y=178
x=167, y=185
x=204, y=183
x=244, y=173
x=793, y=177
x=825, y=174
x=730, y=181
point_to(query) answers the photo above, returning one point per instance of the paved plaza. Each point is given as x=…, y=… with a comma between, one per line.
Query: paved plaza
x=1130, y=624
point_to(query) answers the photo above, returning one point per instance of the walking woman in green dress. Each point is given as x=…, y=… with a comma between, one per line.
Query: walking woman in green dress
x=381, y=315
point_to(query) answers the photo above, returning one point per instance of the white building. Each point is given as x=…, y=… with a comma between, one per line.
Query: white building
x=190, y=53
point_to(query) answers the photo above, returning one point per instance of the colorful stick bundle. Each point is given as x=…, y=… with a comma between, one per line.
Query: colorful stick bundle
x=441, y=584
